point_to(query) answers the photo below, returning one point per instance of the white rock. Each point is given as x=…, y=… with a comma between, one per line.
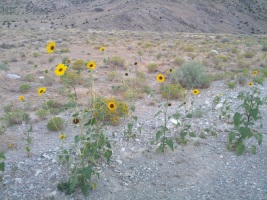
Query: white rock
x=41, y=77
x=119, y=162
x=219, y=105
x=207, y=103
x=122, y=149
x=12, y=76
x=38, y=172
x=214, y=51
x=221, y=156
x=18, y=180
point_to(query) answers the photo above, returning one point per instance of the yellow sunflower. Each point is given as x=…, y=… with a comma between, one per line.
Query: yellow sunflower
x=41, y=90
x=50, y=47
x=250, y=84
x=60, y=69
x=255, y=72
x=62, y=136
x=112, y=106
x=91, y=65
x=195, y=92
x=102, y=49
x=21, y=98
x=160, y=78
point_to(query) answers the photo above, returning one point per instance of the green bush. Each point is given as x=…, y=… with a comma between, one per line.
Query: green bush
x=24, y=88
x=231, y=84
x=264, y=47
x=173, y=91
x=78, y=64
x=152, y=67
x=3, y=66
x=29, y=77
x=42, y=113
x=55, y=124
x=117, y=61
x=192, y=74
x=178, y=61
x=249, y=54
x=17, y=117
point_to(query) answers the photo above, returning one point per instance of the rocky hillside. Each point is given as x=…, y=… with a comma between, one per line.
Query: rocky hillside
x=208, y=16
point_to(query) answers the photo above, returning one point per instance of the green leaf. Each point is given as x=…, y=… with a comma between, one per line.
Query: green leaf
x=108, y=154
x=160, y=149
x=87, y=172
x=85, y=190
x=240, y=147
x=237, y=119
x=253, y=149
x=169, y=142
x=258, y=137
x=76, y=139
x=73, y=182
x=158, y=134
x=192, y=134
x=139, y=129
x=183, y=134
x=2, y=155
x=30, y=129
x=75, y=115
x=254, y=113
x=91, y=122
x=2, y=166
x=245, y=132
x=158, y=113
x=189, y=115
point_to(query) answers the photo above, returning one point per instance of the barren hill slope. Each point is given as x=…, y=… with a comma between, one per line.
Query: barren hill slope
x=219, y=16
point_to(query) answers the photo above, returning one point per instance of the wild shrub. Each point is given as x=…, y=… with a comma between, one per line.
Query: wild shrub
x=191, y=75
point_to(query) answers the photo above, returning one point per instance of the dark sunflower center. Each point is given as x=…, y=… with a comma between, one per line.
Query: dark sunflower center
x=41, y=91
x=52, y=47
x=91, y=65
x=111, y=105
x=60, y=70
x=160, y=78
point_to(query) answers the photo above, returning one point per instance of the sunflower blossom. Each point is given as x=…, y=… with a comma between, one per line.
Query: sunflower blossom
x=112, y=106
x=160, y=78
x=195, y=92
x=60, y=69
x=21, y=98
x=50, y=47
x=91, y=65
x=41, y=91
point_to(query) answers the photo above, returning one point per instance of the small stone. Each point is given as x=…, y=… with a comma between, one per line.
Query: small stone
x=119, y=162
x=219, y=105
x=31, y=187
x=12, y=76
x=221, y=156
x=18, y=180
x=122, y=149
x=38, y=172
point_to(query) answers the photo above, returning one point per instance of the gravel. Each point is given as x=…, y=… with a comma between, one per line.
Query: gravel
x=202, y=169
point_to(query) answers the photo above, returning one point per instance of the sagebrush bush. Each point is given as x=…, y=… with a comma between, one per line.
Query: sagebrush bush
x=71, y=77
x=117, y=61
x=42, y=113
x=78, y=64
x=173, y=91
x=102, y=112
x=248, y=54
x=29, y=77
x=3, y=66
x=152, y=67
x=24, y=88
x=178, y=61
x=17, y=117
x=55, y=124
x=264, y=47
x=192, y=74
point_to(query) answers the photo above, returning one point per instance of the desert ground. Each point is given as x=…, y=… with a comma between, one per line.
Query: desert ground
x=203, y=168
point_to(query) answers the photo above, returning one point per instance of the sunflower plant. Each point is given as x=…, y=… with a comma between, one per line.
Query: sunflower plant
x=247, y=115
